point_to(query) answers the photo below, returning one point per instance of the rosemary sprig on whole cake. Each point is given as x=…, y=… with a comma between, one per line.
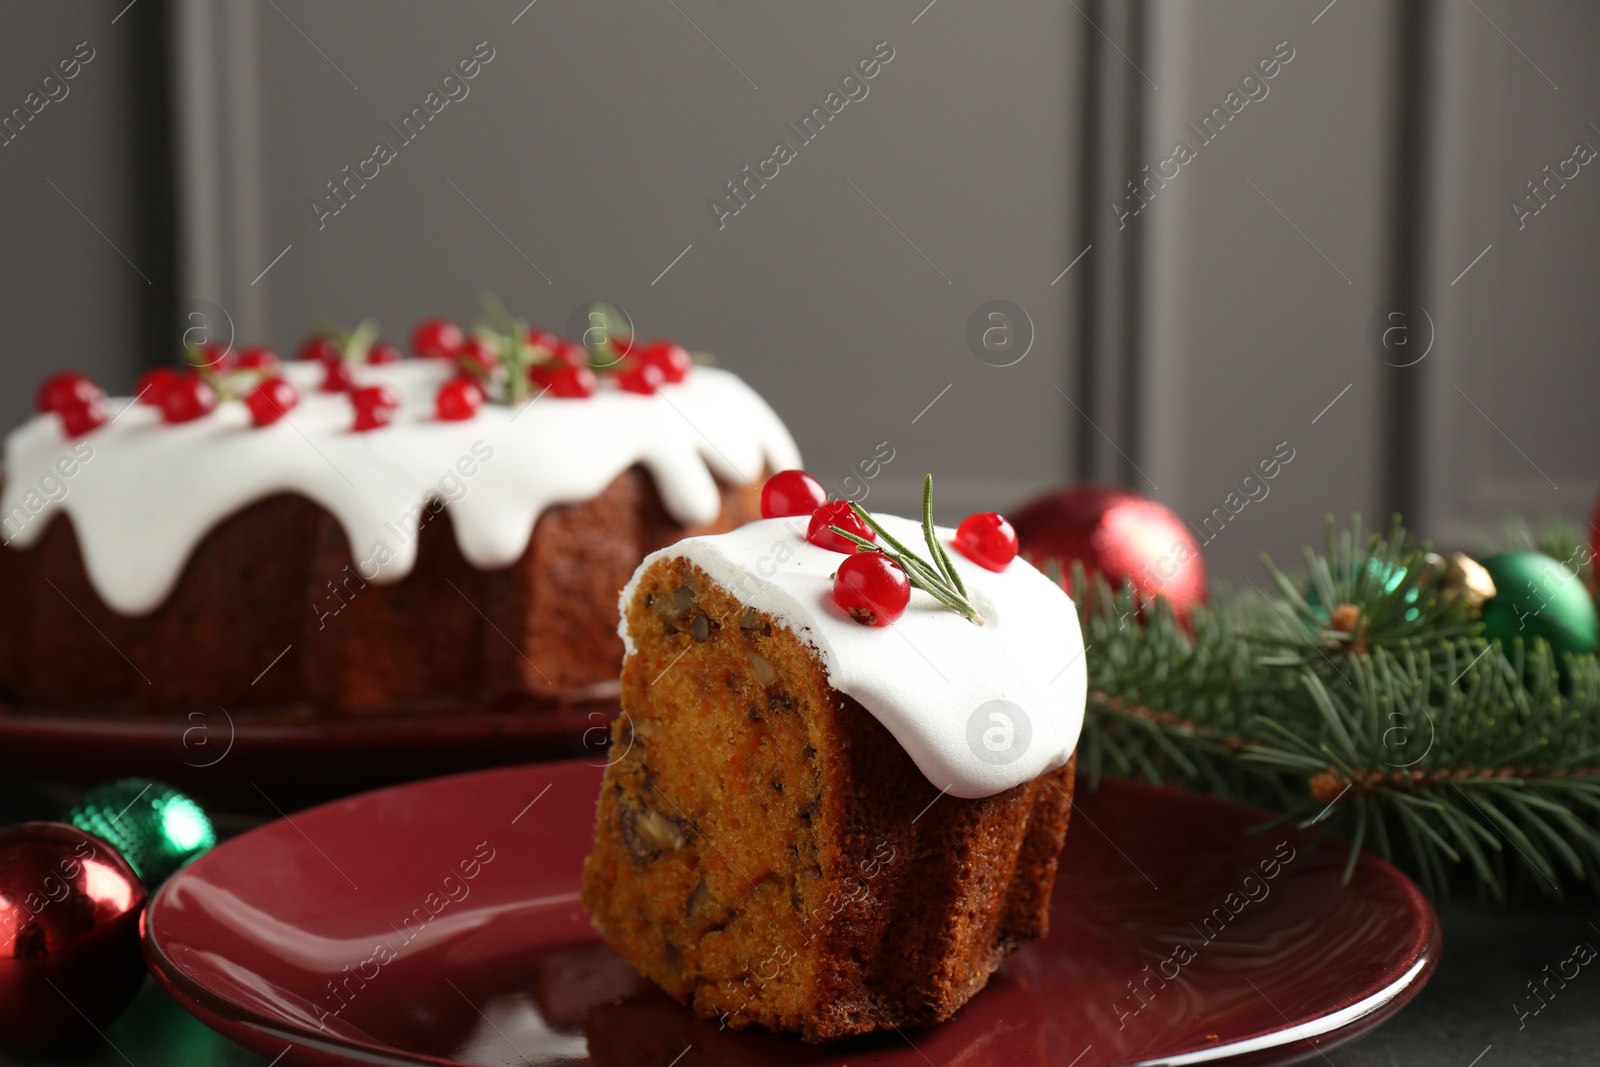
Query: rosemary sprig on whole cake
x=513, y=360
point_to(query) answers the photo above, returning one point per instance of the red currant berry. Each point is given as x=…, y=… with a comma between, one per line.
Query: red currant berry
x=476, y=356
x=837, y=513
x=186, y=397
x=67, y=389
x=673, y=360
x=324, y=348
x=271, y=400
x=79, y=418
x=624, y=345
x=371, y=419
x=871, y=588
x=543, y=339
x=374, y=406
x=791, y=493
x=637, y=377
x=152, y=383
x=219, y=358
x=383, y=352
x=374, y=396
x=437, y=339
x=336, y=377
x=257, y=357
x=458, y=400
x=988, y=540
x=571, y=383
x=571, y=353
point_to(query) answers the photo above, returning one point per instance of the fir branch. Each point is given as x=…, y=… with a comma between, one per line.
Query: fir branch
x=1364, y=694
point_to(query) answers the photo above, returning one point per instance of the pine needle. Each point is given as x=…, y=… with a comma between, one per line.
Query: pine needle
x=1463, y=759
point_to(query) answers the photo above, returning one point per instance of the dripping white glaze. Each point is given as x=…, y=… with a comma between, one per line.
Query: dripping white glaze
x=932, y=678
x=150, y=492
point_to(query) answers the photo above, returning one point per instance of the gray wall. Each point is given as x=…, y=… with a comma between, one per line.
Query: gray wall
x=83, y=269
x=1518, y=333
x=1190, y=340
x=589, y=148
x=1379, y=165
x=1251, y=332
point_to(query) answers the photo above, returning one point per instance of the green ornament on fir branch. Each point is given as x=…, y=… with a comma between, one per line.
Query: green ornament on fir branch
x=1537, y=596
x=1381, y=575
x=1365, y=694
x=155, y=827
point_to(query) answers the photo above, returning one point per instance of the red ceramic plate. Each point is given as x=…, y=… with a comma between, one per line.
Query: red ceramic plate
x=438, y=923
x=291, y=758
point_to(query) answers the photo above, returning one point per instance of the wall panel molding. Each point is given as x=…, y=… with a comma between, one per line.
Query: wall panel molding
x=1117, y=100
x=220, y=167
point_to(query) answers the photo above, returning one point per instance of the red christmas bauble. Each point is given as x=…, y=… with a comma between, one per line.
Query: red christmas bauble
x=1121, y=535
x=1594, y=551
x=69, y=936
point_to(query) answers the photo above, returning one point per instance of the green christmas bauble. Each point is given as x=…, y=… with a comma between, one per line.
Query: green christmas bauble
x=156, y=828
x=1536, y=596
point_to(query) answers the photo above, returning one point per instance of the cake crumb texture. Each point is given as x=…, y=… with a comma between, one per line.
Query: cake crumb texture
x=768, y=854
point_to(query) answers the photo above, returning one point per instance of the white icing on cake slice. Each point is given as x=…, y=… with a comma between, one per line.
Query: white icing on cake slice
x=149, y=492
x=978, y=708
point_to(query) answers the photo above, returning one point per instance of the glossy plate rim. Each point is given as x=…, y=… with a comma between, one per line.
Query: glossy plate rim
x=19, y=719
x=1338, y=1025
x=1298, y=1040
x=86, y=748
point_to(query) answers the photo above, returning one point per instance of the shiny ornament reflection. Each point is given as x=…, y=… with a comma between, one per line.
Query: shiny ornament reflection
x=69, y=936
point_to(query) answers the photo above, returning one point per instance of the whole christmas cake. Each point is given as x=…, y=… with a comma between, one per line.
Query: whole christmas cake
x=359, y=533
x=834, y=805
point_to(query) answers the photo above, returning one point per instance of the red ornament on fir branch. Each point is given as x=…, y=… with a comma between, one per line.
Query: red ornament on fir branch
x=1594, y=551
x=1119, y=534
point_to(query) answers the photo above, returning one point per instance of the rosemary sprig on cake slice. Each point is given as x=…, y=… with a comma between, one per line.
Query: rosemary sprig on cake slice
x=873, y=585
x=938, y=578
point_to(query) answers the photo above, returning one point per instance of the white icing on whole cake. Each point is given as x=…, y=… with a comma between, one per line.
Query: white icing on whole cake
x=931, y=677
x=149, y=492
